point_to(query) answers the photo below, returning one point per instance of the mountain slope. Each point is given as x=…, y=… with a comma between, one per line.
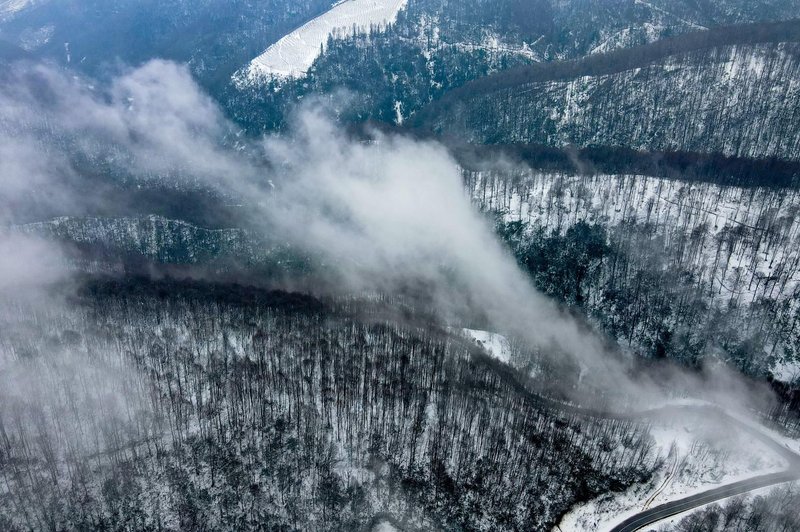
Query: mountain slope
x=438, y=45
x=215, y=37
x=686, y=270
x=194, y=406
x=734, y=99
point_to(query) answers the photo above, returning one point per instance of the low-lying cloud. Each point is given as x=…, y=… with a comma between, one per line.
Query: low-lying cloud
x=383, y=215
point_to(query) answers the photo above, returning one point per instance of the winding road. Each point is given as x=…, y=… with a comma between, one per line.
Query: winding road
x=669, y=509
x=706, y=413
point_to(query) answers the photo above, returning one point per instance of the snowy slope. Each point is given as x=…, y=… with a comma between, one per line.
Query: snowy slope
x=739, y=247
x=743, y=243
x=735, y=100
x=294, y=54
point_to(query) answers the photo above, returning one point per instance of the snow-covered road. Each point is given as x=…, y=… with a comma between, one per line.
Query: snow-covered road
x=758, y=459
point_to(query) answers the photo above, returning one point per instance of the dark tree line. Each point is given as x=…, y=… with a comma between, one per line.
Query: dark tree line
x=684, y=166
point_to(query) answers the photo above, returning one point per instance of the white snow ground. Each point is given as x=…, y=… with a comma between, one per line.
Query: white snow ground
x=787, y=371
x=496, y=345
x=294, y=54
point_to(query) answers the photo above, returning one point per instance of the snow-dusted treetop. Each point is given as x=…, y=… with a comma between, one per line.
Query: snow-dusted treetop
x=9, y=7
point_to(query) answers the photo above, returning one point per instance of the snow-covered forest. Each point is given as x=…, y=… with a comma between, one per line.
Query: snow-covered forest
x=196, y=406
x=676, y=268
x=399, y=265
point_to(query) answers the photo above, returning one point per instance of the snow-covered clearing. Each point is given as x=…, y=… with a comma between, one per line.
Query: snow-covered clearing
x=627, y=37
x=294, y=54
x=787, y=371
x=689, y=23
x=495, y=45
x=495, y=344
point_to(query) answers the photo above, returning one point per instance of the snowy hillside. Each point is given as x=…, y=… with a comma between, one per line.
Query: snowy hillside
x=253, y=383
x=436, y=46
x=742, y=243
x=674, y=268
x=294, y=54
x=735, y=100
x=692, y=461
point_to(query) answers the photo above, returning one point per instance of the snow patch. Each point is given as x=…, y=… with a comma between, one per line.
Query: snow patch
x=627, y=37
x=688, y=23
x=786, y=371
x=31, y=39
x=496, y=345
x=294, y=54
x=398, y=112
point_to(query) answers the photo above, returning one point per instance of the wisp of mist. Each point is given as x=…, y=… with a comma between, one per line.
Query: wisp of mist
x=381, y=214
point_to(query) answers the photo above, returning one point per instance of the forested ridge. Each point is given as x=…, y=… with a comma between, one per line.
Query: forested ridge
x=436, y=46
x=492, y=266
x=169, y=405
x=669, y=267
x=688, y=271
x=616, y=61
x=691, y=93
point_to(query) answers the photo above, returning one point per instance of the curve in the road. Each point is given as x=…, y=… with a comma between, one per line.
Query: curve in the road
x=653, y=515
x=669, y=509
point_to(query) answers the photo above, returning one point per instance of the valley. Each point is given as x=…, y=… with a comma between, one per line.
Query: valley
x=400, y=265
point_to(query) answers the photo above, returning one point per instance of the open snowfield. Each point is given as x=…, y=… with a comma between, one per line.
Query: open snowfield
x=294, y=54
